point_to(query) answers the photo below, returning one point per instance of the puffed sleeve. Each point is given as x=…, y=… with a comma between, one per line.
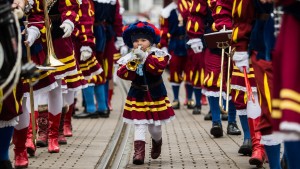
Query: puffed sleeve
x=86, y=21
x=69, y=10
x=243, y=16
x=126, y=74
x=222, y=15
x=164, y=27
x=183, y=8
x=36, y=17
x=195, y=24
x=156, y=65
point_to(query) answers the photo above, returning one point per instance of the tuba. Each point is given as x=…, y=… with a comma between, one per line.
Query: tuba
x=51, y=60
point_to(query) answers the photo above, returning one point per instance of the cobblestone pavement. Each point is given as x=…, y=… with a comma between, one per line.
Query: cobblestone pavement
x=186, y=143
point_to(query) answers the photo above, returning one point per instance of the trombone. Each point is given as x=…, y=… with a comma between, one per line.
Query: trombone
x=51, y=60
x=229, y=55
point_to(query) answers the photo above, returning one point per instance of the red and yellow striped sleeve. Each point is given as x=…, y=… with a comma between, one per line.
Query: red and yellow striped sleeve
x=243, y=13
x=36, y=17
x=126, y=74
x=184, y=7
x=222, y=14
x=86, y=21
x=69, y=10
x=164, y=28
x=156, y=65
x=195, y=23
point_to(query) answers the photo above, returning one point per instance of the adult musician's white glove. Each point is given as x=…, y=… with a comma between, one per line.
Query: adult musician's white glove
x=119, y=43
x=33, y=33
x=86, y=53
x=68, y=27
x=241, y=59
x=196, y=45
x=140, y=54
x=124, y=50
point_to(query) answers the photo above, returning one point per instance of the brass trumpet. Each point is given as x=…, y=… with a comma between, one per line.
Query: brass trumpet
x=134, y=63
x=51, y=60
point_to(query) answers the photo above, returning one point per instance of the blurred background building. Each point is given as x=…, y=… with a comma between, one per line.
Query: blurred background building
x=141, y=10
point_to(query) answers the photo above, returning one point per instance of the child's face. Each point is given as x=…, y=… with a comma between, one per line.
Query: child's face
x=145, y=43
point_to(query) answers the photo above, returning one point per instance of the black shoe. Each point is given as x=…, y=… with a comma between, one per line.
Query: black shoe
x=197, y=109
x=246, y=148
x=103, y=114
x=5, y=164
x=85, y=115
x=191, y=104
x=283, y=163
x=232, y=129
x=176, y=104
x=208, y=116
x=224, y=117
x=216, y=130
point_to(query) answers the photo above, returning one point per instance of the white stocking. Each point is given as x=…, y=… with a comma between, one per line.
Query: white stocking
x=253, y=109
x=55, y=100
x=155, y=132
x=43, y=98
x=140, y=132
x=69, y=97
x=24, y=117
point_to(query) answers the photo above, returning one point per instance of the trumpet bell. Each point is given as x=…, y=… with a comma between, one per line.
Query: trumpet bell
x=132, y=65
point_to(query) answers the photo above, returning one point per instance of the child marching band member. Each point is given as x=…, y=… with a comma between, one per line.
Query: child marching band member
x=147, y=104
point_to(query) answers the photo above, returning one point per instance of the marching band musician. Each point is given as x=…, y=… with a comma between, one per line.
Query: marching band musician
x=107, y=31
x=63, y=16
x=259, y=47
x=200, y=16
x=147, y=104
x=173, y=40
x=84, y=41
x=11, y=105
x=194, y=74
x=286, y=89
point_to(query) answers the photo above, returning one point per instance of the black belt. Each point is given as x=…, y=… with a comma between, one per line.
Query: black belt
x=263, y=16
x=180, y=37
x=146, y=87
x=101, y=23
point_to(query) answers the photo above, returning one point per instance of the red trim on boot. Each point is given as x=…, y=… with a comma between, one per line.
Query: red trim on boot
x=203, y=100
x=110, y=93
x=19, y=140
x=42, y=120
x=54, y=121
x=68, y=121
x=29, y=142
x=139, y=152
x=61, y=137
x=156, y=149
x=258, y=156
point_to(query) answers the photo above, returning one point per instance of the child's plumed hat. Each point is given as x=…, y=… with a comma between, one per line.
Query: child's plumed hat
x=140, y=30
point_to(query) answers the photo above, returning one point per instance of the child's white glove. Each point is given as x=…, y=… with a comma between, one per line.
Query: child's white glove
x=241, y=59
x=119, y=43
x=165, y=49
x=86, y=53
x=196, y=45
x=33, y=33
x=68, y=27
x=124, y=50
x=140, y=54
